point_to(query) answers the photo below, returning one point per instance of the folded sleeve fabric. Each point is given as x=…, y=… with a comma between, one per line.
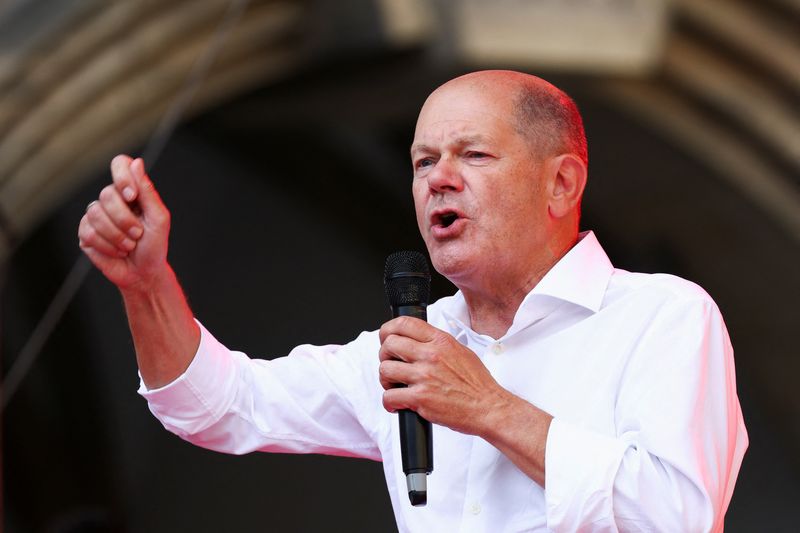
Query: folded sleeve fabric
x=672, y=459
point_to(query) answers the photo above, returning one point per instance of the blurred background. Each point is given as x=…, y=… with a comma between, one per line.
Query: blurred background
x=288, y=177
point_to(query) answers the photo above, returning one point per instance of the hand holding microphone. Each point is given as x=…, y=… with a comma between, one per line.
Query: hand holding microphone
x=443, y=381
x=408, y=286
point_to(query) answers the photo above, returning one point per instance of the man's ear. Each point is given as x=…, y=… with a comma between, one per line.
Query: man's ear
x=568, y=181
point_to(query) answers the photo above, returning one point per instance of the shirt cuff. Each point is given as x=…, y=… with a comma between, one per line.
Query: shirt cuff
x=196, y=398
x=580, y=467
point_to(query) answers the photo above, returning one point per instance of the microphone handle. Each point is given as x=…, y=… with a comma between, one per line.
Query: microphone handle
x=416, y=440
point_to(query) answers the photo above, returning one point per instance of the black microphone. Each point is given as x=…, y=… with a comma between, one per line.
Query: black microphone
x=408, y=288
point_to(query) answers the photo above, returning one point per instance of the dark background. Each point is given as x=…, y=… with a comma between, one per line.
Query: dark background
x=286, y=200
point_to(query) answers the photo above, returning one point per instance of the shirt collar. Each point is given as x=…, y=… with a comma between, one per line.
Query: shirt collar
x=580, y=278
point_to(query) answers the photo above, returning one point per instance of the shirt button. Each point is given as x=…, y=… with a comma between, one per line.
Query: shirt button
x=498, y=348
x=475, y=508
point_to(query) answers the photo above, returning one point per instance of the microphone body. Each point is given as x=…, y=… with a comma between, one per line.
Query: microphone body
x=407, y=282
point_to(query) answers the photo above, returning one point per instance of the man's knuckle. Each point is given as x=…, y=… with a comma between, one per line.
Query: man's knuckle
x=440, y=337
x=83, y=230
x=107, y=193
x=423, y=388
x=89, y=234
x=159, y=219
x=387, y=400
x=126, y=224
x=147, y=186
x=414, y=404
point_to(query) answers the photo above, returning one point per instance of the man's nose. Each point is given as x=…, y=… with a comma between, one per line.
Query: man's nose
x=445, y=176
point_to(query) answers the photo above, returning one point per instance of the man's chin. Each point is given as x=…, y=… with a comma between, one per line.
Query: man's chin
x=451, y=264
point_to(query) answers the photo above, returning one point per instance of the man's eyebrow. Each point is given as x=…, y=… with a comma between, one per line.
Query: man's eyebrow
x=464, y=140
x=420, y=148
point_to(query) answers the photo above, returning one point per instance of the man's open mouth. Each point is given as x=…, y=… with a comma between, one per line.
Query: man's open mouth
x=442, y=219
x=448, y=218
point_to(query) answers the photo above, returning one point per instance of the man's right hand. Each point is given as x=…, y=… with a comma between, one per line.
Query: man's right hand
x=125, y=231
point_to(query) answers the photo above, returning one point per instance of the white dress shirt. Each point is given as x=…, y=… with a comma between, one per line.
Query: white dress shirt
x=636, y=369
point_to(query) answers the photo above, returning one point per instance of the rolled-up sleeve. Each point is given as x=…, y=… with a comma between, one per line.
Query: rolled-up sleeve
x=679, y=436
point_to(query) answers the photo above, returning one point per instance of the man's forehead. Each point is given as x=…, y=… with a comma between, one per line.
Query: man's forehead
x=465, y=101
x=463, y=120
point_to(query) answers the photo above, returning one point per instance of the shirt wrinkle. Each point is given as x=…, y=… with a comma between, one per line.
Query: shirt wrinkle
x=293, y=437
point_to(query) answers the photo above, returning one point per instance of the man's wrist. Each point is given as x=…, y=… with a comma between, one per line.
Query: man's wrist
x=147, y=286
x=519, y=430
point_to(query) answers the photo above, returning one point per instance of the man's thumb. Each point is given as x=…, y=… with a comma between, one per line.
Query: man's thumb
x=148, y=196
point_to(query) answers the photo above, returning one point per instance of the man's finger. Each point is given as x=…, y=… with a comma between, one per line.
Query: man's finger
x=399, y=398
x=105, y=227
x=120, y=213
x=393, y=373
x=149, y=199
x=399, y=347
x=99, y=259
x=90, y=238
x=123, y=179
x=407, y=326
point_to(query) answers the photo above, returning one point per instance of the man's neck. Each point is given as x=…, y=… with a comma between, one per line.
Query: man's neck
x=492, y=310
x=493, y=303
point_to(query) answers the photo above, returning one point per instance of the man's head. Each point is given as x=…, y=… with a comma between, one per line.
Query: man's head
x=499, y=169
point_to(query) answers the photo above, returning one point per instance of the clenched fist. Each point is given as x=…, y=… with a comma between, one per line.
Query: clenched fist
x=125, y=231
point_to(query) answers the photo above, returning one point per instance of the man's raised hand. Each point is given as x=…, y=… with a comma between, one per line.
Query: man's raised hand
x=125, y=231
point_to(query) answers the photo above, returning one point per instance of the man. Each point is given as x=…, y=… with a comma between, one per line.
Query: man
x=565, y=394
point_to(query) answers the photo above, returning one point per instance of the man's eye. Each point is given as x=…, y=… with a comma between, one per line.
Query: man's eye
x=426, y=162
x=477, y=155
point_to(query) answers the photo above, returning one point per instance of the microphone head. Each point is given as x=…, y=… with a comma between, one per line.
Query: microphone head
x=407, y=279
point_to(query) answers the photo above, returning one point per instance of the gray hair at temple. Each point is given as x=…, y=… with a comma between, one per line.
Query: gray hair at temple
x=549, y=118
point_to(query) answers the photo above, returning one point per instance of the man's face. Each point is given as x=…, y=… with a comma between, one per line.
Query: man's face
x=477, y=188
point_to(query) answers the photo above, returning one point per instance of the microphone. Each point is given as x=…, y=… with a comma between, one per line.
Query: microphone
x=408, y=287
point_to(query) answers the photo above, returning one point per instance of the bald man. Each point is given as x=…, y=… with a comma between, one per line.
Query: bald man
x=565, y=394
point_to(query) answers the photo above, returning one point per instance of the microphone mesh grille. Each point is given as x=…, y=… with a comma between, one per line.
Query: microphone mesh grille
x=407, y=279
